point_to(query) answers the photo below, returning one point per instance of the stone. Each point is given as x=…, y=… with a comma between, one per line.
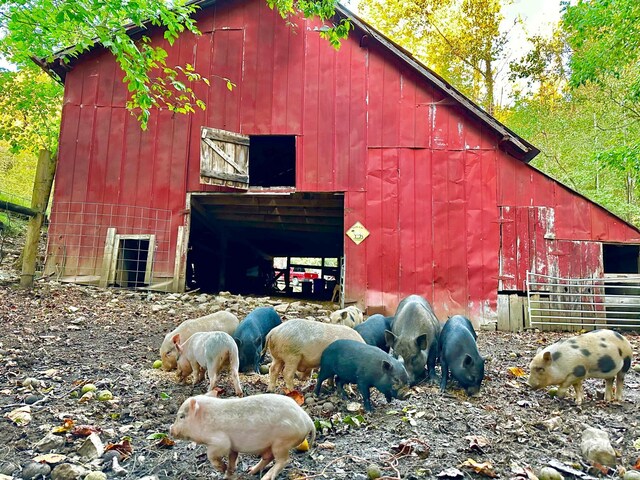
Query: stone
x=91, y=448
x=35, y=470
x=96, y=476
x=328, y=407
x=548, y=473
x=597, y=448
x=49, y=442
x=8, y=468
x=68, y=471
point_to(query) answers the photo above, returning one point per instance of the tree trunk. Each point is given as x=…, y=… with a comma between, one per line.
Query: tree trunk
x=39, y=201
x=489, y=82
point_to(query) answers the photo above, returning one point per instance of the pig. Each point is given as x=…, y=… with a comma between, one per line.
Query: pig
x=597, y=354
x=413, y=338
x=372, y=331
x=459, y=355
x=268, y=425
x=210, y=350
x=349, y=317
x=365, y=365
x=220, y=321
x=297, y=345
x=250, y=336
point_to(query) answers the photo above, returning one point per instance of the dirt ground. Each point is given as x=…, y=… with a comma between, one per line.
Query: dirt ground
x=64, y=336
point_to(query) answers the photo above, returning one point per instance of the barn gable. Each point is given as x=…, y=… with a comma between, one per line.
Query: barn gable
x=364, y=134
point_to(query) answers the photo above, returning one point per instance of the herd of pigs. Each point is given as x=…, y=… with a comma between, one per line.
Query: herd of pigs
x=388, y=353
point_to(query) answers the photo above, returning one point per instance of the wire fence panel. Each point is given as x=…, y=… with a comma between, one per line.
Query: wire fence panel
x=108, y=244
x=577, y=303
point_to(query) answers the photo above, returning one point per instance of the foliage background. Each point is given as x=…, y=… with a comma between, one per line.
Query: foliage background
x=576, y=92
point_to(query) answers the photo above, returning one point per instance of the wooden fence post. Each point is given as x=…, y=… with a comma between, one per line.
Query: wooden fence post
x=45, y=172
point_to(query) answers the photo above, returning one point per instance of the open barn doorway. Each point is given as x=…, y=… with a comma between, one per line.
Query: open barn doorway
x=266, y=243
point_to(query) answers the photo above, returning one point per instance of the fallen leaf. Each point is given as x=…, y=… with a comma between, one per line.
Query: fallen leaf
x=297, y=396
x=477, y=442
x=412, y=447
x=517, y=372
x=637, y=465
x=124, y=448
x=525, y=473
x=52, y=458
x=85, y=430
x=484, y=468
x=353, y=407
x=65, y=427
x=20, y=416
x=165, y=442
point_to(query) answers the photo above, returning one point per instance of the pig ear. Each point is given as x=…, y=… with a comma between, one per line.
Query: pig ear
x=389, y=338
x=386, y=366
x=176, y=341
x=344, y=315
x=468, y=361
x=421, y=342
x=546, y=356
x=194, y=406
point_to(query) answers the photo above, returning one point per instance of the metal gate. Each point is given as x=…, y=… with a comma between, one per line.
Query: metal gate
x=577, y=303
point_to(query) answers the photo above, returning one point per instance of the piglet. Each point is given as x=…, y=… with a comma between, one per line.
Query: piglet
x=349, y=317
x=210, y=350
x=219, y=321
x=596, y=354
x=459, y=355
x=268, y=425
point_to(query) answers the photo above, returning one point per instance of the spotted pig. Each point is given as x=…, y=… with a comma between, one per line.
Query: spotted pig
x=597, y=354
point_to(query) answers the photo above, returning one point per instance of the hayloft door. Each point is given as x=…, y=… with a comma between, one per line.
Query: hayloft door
x=224, y=158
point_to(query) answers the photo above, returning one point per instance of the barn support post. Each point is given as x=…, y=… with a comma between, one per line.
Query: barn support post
x=45, y=171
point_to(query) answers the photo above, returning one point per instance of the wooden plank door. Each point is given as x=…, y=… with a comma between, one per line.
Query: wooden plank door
x=224, y=158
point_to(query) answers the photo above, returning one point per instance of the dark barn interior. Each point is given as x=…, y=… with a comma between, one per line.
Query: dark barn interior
x=235, y=237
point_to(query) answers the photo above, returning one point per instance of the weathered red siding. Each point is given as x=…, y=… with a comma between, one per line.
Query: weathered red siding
x=425, y=177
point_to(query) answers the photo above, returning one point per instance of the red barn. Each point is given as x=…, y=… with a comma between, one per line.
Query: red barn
x=311, y=142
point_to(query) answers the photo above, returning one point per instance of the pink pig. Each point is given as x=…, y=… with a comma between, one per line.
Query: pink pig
x=268, y=425
x=210, y=350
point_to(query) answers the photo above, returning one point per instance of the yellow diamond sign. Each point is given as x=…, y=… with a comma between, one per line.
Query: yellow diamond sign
x=357, y=233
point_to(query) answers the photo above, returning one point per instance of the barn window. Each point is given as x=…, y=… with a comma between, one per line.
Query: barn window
x=620, y=258
x=272, y=161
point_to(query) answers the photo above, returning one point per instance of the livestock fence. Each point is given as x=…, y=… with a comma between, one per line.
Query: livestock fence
x=582, y=303
x=110, y=245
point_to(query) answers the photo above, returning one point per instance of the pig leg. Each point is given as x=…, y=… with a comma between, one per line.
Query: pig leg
x=289, y=374
x=281, y=455
x=619, y=384
x=264, y=461
x=579, y=392
x=274, y=370
x=234, y=365
x=233, y=463
x=218, y=445
x=366, y=398
x=445, y=374
x=608, y=389
x=212, y=371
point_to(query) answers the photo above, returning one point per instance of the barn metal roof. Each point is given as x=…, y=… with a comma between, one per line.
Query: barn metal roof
x=510, y=142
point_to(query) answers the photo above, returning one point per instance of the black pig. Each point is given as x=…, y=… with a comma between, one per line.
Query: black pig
x=372, y=331
x=459, y=355
x=250, y=335
x=366, y=366
x=413, y=338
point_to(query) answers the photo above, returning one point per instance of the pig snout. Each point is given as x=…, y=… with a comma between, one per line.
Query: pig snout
x=473, y=391
x=404, y=393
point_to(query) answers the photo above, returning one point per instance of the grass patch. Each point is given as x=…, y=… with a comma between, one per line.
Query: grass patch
x=12, y=225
